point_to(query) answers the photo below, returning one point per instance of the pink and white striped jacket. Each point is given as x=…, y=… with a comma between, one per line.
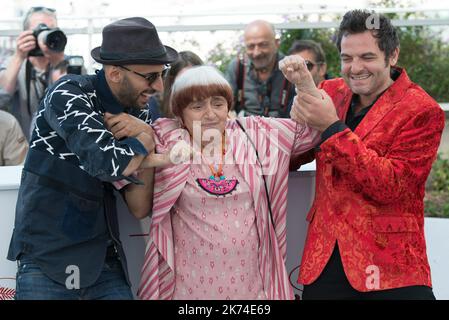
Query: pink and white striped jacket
x=276, y=141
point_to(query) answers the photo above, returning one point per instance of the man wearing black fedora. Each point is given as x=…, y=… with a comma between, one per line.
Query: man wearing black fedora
x=91, y=131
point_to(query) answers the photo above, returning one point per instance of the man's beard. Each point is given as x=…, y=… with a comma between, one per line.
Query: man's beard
x=264, y=63
x=128, y=96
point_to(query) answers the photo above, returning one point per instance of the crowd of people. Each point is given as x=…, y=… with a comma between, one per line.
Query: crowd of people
x=207, y=156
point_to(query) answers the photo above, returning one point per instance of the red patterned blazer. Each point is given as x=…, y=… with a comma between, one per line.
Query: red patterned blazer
x=370, y=190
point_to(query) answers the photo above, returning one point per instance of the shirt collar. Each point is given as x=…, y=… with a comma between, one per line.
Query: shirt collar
x=104, y=93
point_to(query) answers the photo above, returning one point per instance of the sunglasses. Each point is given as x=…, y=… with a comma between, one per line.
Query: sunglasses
x=33, y=10
x=310, y=65
x=150, y=77
x=41, y=9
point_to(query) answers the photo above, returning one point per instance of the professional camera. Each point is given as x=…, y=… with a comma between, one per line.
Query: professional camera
x=71, y=65
x=54, y=39
x=75, y=64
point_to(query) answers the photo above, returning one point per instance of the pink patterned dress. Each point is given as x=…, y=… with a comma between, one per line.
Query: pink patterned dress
x=216, y=241
x=160, y=276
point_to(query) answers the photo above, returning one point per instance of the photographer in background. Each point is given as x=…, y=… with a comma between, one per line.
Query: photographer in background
x=29, y=71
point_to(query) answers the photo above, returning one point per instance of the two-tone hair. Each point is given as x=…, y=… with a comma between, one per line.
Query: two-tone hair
x=185, y=59
x=196, y=84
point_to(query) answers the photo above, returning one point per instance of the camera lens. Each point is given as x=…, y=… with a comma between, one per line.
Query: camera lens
x=55, y=40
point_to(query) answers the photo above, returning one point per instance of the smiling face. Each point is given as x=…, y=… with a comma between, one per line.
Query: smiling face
x=363, y=65
x=261, y=44
x=133, y=89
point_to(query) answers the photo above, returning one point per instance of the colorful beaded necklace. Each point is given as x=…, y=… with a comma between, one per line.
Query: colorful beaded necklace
x=217, y=184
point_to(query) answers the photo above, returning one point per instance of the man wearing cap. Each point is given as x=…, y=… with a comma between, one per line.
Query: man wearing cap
x=66, y=238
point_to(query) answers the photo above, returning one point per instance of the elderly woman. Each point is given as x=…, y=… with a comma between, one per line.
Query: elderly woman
x=218, y=229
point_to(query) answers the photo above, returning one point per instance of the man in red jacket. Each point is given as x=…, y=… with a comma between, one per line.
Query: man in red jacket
x=366, y=234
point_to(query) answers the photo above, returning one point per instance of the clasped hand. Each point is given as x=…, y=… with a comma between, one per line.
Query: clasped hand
x=124, y=125
x=311, y=105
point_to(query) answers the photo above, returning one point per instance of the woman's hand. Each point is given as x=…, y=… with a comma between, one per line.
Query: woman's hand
x=181, y=152
x=295, y=70
x=318, y=113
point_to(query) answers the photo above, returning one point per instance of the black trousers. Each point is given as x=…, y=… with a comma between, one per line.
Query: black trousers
x=332, y=284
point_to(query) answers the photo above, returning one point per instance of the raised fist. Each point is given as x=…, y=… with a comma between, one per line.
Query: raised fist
x=295, y=70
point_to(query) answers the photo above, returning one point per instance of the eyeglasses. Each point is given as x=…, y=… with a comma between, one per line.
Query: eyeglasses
x=310, y=65
x=40, y=9
x=150, y=77
x=36, y=9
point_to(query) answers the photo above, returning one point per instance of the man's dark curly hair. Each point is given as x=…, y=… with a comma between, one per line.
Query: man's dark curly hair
x=355, y=21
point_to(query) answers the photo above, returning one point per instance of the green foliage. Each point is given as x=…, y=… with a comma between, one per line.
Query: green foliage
x=426, y=58
x=325, y=37
x=436, y=200
x=220, y=57
x=436, y=205
x=424, y=54
x=439, y=176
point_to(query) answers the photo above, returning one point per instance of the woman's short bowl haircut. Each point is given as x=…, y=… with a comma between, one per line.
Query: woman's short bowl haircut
x=185, y=59
x=196, y=84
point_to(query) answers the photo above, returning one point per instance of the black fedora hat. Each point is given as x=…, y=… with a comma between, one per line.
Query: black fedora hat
x=132, y=41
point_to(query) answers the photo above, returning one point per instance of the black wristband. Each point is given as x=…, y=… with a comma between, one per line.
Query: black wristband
x=334, y=128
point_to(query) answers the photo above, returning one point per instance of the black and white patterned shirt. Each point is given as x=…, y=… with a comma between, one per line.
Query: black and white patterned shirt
x=70, y=126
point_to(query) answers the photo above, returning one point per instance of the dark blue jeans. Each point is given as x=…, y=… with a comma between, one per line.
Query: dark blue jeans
x=33, y=284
